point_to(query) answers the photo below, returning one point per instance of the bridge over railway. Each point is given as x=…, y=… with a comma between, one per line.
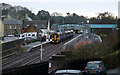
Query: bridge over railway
x=76, y=27
x=102, y=26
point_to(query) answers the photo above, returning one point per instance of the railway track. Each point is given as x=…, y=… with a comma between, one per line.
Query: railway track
x=46, y=55
x=14, y=63
x=34, y=56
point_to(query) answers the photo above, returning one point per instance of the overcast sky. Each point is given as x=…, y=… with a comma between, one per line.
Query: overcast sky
x=89, y=8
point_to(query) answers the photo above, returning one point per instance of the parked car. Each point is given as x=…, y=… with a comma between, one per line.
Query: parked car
x=68, y=72
x=95, y=68
x=10, y=36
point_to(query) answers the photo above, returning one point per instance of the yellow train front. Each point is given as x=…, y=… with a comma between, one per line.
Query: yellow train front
x=55, y=38
x=58, y=37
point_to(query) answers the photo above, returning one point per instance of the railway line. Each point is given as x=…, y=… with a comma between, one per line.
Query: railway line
x=34, y=56
x=47, y=55
x=23, y=58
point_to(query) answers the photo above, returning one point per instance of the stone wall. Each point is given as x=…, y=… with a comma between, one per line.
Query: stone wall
x=12, y=45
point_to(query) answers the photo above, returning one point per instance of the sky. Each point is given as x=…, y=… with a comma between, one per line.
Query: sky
x=89, y=8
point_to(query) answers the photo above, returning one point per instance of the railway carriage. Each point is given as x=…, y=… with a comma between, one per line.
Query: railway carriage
x=60, y=36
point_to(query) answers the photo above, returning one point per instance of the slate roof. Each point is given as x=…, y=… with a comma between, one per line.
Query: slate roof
x=38, y=23
x=11, y=21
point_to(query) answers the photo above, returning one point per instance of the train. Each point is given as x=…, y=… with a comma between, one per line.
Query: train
x=61, y=35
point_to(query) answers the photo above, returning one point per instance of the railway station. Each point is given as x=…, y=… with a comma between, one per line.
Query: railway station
x=59, y=38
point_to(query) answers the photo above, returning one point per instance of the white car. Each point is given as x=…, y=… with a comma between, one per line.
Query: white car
x=10, y=36
x=68, y=72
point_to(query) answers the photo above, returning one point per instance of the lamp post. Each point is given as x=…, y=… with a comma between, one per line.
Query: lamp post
x=41, y=47
x=41, y=51
x=42, y=38
x=44, y=29
x=48, y=35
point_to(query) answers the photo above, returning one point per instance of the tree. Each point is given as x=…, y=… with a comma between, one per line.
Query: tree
x=68, y=13
x=43, y=15
x=103, y=18
x=75, y=19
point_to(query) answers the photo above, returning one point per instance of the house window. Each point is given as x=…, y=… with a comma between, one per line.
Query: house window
x=29, y=35
x=33, y=34
x=10, y=27
x=15, y=27
x=19, y=27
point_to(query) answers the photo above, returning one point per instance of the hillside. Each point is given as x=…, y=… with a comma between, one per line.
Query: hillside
x=17, y=12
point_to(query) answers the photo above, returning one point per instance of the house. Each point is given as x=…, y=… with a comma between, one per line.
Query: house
x=39, y=24
x=31, y=28
x=1, y=29
x=12, y=26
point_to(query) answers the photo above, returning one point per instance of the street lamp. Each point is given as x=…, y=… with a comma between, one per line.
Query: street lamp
x=41, y=51
x=41, y=47
x=44, y=29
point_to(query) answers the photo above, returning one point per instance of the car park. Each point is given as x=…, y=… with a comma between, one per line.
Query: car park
x=95, y=68
x=68, y=72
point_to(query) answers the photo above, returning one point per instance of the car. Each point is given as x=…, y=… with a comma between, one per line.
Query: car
x=95, y=68
x=10, y=36
x=68, y=72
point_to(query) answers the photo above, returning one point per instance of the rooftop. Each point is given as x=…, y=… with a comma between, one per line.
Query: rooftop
x=11, y=21
x=37, y=23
